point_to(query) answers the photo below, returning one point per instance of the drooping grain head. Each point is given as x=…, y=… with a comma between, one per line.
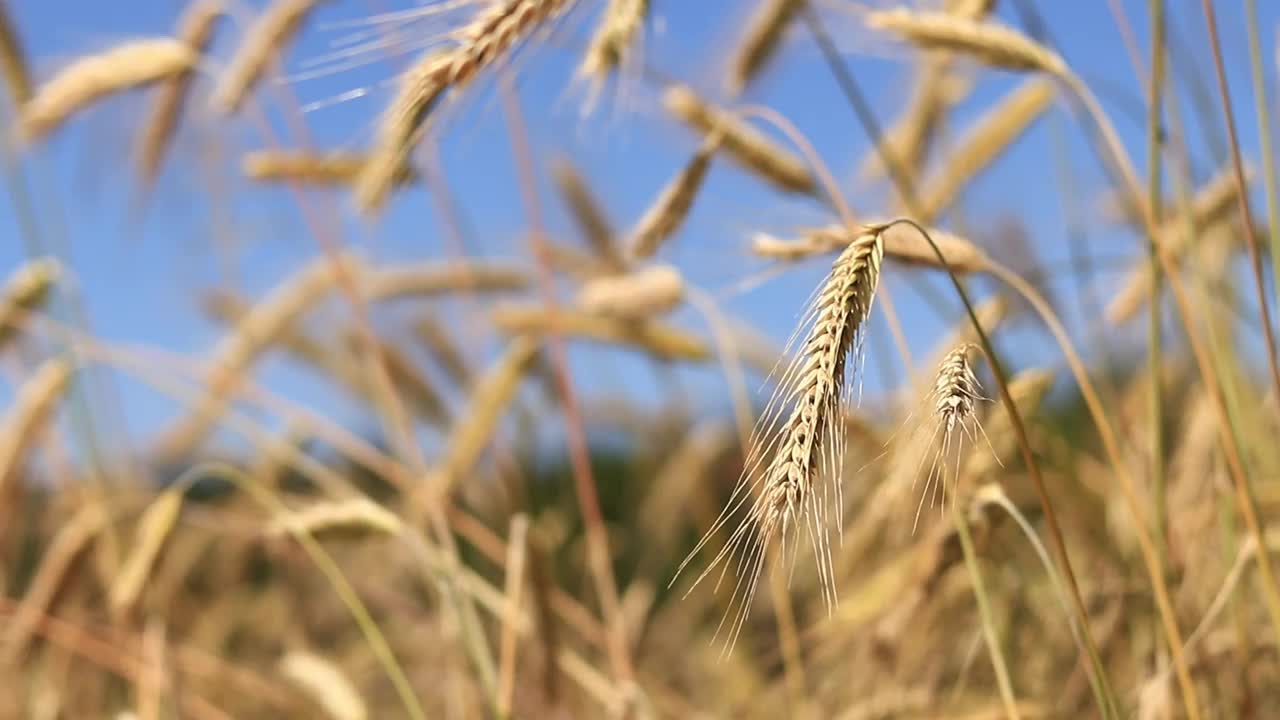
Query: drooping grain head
x=764, y=34
x=13, y=62
x=619, y=30
x=335, y=168
x=987, y=42
x=263, y=42
x=799, y=440
x=664, y=218
x=954, y=399
x=645, y=293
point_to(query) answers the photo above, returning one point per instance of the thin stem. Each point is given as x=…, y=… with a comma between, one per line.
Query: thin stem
x=1263, y=105
x=1154, y=336
x=989, y=633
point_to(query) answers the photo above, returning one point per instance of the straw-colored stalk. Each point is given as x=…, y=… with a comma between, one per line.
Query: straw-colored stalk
x=589, y=216
x=982, y=143
x=13, y=62
x=664, y=218
x=326, y=684
x=264, y=41
x=741, y=142
x=764, y=35
x=658, y=339
x=988, y=42
x=482, y=42
x=440, y=278
x=619, y=30
x=89, y=79
x=149, y=539
x=26, y=289
x=799, y=439
x=488, y=401
x=29, y=413
x=645, y=293
x=334, y=168
x=353, y=517
x=260, y=329
x=901, y=244
x=195, y=29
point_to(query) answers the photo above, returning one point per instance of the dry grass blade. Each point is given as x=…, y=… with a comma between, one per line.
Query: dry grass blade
x=984, y=141
x=13, y=62
x=92, y=78
x=34, y=402
x=326, y=684
x=750, y=149
x=149, y=539
x=800, y=438
x=587, y=213
x=353, y=517
x=644, y=293
x=336, y=168
x=26, y=289
x=195, y=29
x=663, y=341
x=669, y=211
x=263, y=42
x=987, y=42
x=760, y=44
x=485, y=40
x=429, y=279
x=489, y=399
x=619, y=29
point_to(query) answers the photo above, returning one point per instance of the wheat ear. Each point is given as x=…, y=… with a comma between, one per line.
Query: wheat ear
x=195, y=29
x=644, y=293
x=13, y=62
x=955, y=395
x=741, y=142
x=440, y=278
x=669, y=211
x=26, y=289
x=908, y=140
x=988, y=42
x=663, y=341
x=764, y=34
x=776, y=493
x=336, y=168
x=485, y=40
x=91, y=78
x=619, y=28
x=154, y=528
x=336, y=518
x=263, y=42
x=587, y=213
x=326, y=683
x=34, y=402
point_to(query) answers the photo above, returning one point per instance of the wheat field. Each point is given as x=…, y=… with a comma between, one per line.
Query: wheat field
x=639, y=359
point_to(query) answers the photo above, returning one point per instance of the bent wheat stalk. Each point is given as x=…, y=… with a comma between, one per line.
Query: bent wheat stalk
x=777, y=493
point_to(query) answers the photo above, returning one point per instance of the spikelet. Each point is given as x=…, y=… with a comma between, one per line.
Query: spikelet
x=195, y=29
x=34, y=402
x=485, y=40
x=902, y=243
x=587, y=213
x=430, y=279
x=335, y=168
x=263, y=42
x=778, y=493
x=489, y=399
x=987, y=42
x=984, y=141
x=955, y=395
x=620, y=26
x=92, y=78
x=650, y=292
x=354, y=517
x=669, y=211
x=149, y=539
x=760, y=44
x=13, y=62
x=740, y=141
x=25, y=290
x=660, y=340
x=326, y=684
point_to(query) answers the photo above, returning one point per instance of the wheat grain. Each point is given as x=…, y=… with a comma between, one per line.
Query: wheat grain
x=92, y=78
x=29, y=413
x=195, y=29
x=740, y=141
x=489, y=36
x=13, y=62
x=337, y=168
x=764, y=34
x=154, y=528
x=987, y=42
x=264, y=41
x=673, y=204
x=808, y=444
x=663, y=341
x=26, y=289
x=336, y=518
x=644, y=293
x=326, y=683
x=983, y=142
x=587, y=213
x=619, y=28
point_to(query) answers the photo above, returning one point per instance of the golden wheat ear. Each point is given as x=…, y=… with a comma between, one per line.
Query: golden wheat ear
x=798, y=442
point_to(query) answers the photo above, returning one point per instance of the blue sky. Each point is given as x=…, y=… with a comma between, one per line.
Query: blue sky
x=205, y=228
